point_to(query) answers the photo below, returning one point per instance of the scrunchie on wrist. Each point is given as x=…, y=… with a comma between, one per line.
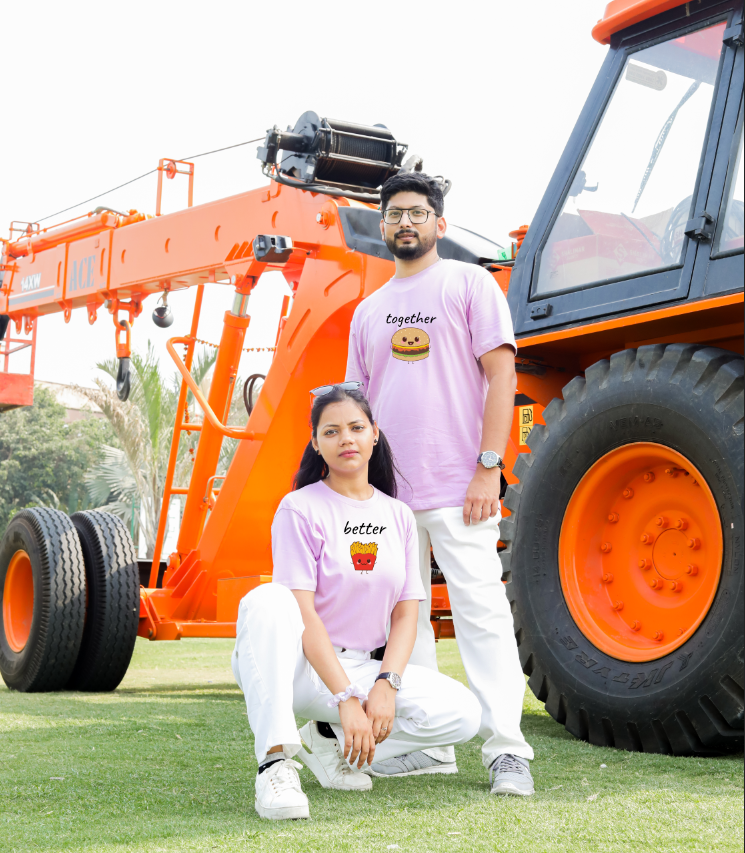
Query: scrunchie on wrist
x=354, y=690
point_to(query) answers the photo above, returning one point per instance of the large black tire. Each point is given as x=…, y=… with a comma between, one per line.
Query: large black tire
x=113, y=609
x=685, y=397
x=48, y=657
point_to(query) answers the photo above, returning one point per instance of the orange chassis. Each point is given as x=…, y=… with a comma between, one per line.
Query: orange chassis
x=224, y=547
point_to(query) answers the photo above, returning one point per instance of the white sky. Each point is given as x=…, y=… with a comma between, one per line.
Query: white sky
x=486, y=93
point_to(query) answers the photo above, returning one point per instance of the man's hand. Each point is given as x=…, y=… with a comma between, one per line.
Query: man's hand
x=381, y=710
x=358, y=736
x=482, y=496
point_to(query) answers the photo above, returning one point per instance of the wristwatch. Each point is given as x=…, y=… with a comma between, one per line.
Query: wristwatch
x=393, y=678
x=490, y=459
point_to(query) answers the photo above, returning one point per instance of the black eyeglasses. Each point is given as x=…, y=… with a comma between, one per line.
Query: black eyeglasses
x=327, y=389
x=417, y=215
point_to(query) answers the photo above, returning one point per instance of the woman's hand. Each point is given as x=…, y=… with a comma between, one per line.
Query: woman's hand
x=381, y=710
x=358, y=735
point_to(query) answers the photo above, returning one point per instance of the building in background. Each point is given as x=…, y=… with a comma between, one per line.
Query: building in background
x=77, y=405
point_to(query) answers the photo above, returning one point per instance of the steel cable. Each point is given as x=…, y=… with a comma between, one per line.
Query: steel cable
x=151, y=172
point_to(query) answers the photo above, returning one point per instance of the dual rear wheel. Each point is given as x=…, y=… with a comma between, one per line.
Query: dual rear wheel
x=69, y=589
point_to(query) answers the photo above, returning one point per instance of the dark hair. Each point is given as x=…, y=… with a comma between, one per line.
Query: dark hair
x=382, y=468
x=413, y=182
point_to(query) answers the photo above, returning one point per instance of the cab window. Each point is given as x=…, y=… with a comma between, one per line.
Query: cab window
x=626, y=210
x=731, y=232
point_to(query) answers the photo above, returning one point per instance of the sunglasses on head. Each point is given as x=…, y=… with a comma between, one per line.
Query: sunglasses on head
x=327, y=389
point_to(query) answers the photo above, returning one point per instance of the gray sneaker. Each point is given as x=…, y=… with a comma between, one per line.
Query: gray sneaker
x=411, y=764
x=511, y=775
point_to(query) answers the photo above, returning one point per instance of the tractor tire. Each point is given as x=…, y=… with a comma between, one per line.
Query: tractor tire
x=113, y=596
x=624, y=555
x=42, y=584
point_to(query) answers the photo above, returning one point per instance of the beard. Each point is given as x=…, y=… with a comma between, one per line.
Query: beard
x=411, y=251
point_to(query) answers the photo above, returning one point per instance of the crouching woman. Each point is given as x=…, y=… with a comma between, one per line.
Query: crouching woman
x=346, y=565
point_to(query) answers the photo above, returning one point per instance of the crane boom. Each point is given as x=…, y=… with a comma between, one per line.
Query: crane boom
x=326, y=248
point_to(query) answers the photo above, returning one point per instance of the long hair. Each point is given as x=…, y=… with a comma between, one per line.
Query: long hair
x=382, y=468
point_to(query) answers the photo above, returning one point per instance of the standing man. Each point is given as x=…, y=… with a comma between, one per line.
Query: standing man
x=435, y=351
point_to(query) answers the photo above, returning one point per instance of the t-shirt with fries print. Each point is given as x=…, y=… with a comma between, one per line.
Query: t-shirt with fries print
x=359, y=557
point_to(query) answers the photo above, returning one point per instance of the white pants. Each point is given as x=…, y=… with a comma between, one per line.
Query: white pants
x=432, y=710
x=483, y=624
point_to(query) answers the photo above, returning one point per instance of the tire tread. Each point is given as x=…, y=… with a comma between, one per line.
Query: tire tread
x=109, y=642
x=62, y=610
x=712, y=721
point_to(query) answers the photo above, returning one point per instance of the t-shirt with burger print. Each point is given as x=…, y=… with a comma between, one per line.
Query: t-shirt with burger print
x=415, y=344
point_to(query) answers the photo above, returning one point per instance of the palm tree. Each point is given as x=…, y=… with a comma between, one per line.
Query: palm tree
x=135, y=472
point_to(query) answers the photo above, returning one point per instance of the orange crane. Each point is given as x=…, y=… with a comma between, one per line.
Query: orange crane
x=622, y=542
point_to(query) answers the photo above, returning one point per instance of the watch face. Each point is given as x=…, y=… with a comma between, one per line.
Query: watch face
x=489, y=459
x=395, y=680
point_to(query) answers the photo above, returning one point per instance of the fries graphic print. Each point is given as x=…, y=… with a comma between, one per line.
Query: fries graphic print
x=364, y=556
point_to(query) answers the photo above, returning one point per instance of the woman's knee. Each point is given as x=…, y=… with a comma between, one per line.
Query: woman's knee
x=270, y=602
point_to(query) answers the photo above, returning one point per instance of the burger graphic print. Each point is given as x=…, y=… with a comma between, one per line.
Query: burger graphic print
x=410, y=344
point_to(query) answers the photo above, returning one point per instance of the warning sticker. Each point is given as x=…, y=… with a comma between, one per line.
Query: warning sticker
x=525, y=422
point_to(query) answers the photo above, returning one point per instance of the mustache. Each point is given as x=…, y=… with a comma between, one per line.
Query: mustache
x=406, y=233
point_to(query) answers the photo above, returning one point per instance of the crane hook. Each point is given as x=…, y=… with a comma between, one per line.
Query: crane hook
x=123, y=380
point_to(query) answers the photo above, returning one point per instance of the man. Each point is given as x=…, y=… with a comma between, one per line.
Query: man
x=434, y=349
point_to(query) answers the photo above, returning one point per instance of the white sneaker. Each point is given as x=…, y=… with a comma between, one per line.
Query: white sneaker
x=324, y=758
x=510, y=775
x=278, y=792
x=411, y=764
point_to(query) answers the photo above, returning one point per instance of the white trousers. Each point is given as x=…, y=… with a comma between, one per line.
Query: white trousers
x=483, y=624
x=278, y=682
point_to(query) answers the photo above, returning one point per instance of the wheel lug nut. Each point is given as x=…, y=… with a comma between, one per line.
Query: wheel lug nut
x=661, y=521
x=681, y=524
x=694, y=544
x=645, y=564
x=676, y=586
x=692, y=569
x=618, y=606
x=613, y=518
x=607, y=578
x=606, y=547
x=649, y=477
x=628, y=493
x=655, y=583
x=647, y=538
x=636, y=625
x=658, y=635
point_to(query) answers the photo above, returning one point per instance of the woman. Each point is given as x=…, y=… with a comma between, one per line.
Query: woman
x=345, y=558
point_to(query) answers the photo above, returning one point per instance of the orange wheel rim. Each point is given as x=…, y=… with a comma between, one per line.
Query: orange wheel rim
x=640, y=552
x=18, y=601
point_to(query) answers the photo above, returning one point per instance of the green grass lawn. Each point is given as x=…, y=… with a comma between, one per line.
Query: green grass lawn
x=166, y=763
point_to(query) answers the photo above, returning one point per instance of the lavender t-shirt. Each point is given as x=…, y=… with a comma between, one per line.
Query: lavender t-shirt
x=359, y=557
x=415, y=345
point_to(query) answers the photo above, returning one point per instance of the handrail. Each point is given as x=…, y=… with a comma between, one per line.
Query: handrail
x=228, y=432
x=209, y=486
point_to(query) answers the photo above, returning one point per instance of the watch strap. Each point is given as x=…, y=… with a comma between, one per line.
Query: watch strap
x=385, y=677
